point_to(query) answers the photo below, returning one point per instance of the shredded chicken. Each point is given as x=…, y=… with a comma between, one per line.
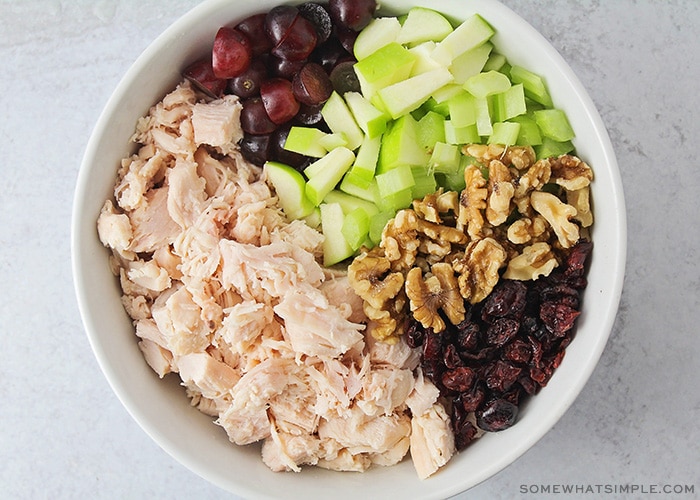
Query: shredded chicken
x=229, y=295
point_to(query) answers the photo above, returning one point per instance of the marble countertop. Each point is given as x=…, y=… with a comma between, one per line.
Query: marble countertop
x=64, y=434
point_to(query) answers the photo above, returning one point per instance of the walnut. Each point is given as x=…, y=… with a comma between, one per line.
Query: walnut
x=534, y=178
x=501, y=188
x=432, y=205
x=519, y=157
x=557, y=213
x=399, y=240
x=536, y=260
x=438, y=291
x=580, y=200
x=370, y=278
x=478, y=267
x=571, y=172
x=382, y=325
x=472, y=201
x=527, y=229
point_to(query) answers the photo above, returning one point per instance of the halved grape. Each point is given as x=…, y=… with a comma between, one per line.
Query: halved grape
x=284, y=67
x=311, y=85
x=346, y=36
x=255, y=148
x=310, y=116
x=328, y=54
x=254, y=118
x=319, y=17
x=298, y=42
x=279, y=100
x=278, y=21
x=254, y=28
x=201, y=74
x=231, y=54
x=344, y=79
x=278, y=153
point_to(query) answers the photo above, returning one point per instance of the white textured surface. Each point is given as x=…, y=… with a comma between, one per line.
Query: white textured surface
x=63, y=433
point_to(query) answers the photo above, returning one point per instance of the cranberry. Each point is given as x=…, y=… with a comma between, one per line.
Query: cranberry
x=496, y=415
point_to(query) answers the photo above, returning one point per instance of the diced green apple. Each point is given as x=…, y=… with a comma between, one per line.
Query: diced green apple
x=422, y=25
x=333, y=140
x=470, y=63
x=349, y=202
x=335, y=247
x=405, y=96
x=430, y=129
x=473, y=32
x=370, y=120
x=314, y=219
x=367, y=156
x=486, y=84
x=388, y=65
x=379, y=32
x=424, y=62
x=326, y=172
x=447, y=92
x=359, y=187
x=305, y=141
x=291, y=189
x=355, y=228
x=340, y=120
x=400, y=145
x=395, y=180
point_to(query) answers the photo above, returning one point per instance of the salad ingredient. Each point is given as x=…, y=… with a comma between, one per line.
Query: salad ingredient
x=423, y=25
x=254, y=117
x=311, y=85
x=247, y=84
x=231, y=53
x=201, y=74
x=278, y=99
x=353, y=14
x=290, y=188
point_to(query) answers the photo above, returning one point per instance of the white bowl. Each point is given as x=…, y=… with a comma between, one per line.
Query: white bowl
x=161, y=407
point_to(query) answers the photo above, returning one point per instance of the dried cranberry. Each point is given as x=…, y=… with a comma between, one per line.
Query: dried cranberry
x=414, y=334
x=467, y=335
x=464, y=434
x=576, y=260
x=496, y=415
x=432, y=347
x=558, y=318
x=472, y=399
x=459, y=379
x=501, y=331
x=451, y=357
x=501, y=375
x=517, y=351
x=508, y=299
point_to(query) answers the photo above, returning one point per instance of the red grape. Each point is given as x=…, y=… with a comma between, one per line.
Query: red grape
x=255, y=148
x=254, y=118
x=298, y=42
x=254, y=28
x=344, y=79
x=279, y=100
x=201, y=74
x=319, y=17
x=311, y=85
x=231, y=53
x=278, y=21
x=310, y=116
x=284, y=67
x=247, y=84
x=353, y=14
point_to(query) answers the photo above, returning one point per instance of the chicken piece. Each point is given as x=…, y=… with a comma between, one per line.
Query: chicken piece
x=179, y=320
x=424, y=395
x=398, y=354
x=344, y=461
x=244, y=323
x=286, y=452
x=114, y=228
x=211, y=377
x=432, y=441
x=384, y=390
x=186, y=193
x=315, y=327
x=340, y=294
x=161, y=360
x=217, y=123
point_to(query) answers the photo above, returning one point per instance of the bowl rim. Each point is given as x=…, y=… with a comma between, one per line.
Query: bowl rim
x=79, y=251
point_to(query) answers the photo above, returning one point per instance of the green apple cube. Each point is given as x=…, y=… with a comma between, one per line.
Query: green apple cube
x=462, y=109
x=473, y=32
x=425, y=182
x=529, y=134
x=291, y=189
x=505, y=133
x=405, y=96
x=430, y=129
x=424, y=61
x=305, y=141
x=461, y=135
x=340, y=120
x=335, y=247
x=535, y=87
x=551, y=148
x=422, y=25
x=367, y=156
x=447, y=92
x=400, y=145
x=379, y=32
x=349, y=202
x=445, y=158
x=386, y=66
x=486, y=84
x=439, y=107
x=554, y=124
x=325, y=173
x=333, y=140
x=483, y=117
x=314, y=219
x=509, y=104
x=356, y=186
x=355, y=228
x=370, y=120
x=395, y=180
x=470, y=63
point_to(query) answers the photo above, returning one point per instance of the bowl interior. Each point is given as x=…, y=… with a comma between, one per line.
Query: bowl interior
x=161, y=407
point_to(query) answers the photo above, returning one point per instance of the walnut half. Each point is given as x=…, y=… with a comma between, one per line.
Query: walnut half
x=438, y=291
